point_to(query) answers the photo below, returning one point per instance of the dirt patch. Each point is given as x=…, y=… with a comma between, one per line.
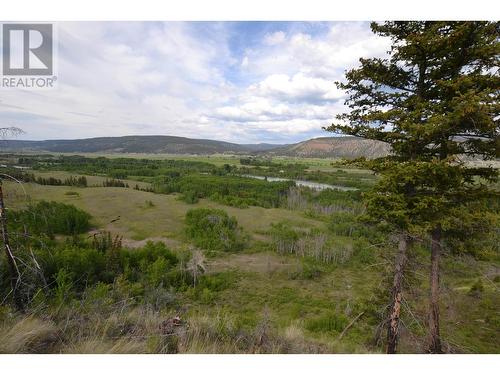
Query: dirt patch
x=259, y=262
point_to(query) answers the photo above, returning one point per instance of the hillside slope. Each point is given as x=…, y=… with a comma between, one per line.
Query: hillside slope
x=338, y=147
x=343, y=147
x=128, y=144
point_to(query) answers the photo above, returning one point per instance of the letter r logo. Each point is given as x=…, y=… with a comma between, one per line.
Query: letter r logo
x=27, y=49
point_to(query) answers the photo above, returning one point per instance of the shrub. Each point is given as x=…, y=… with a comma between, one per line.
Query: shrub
x=190, y=197
x=153, y=262
x=51, y=218
x=213, y=229
x=74, y=265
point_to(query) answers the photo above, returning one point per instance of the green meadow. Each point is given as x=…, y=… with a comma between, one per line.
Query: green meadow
x=308, y=278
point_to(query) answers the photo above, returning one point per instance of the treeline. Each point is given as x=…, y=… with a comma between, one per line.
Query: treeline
x=27, y=177
x=225, y=184
x=114, y=183
x=324, y=202
x=147, y=170
x=80, y=181
x=267, y=162
x=229, y=190
x=359, y=180
x=120, y=168
x=76, y=181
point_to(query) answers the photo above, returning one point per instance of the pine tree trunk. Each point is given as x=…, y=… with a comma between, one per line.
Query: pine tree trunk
x=435, y=340
x=397, y=290
x=13, y=270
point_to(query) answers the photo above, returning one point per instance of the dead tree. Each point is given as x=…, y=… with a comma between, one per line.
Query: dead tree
x=15, y=275
x=435, y=339
x=397, y=293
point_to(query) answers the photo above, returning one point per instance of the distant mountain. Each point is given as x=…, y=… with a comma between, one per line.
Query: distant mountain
x=129, y=144
x=348, y=147
x=335, y=147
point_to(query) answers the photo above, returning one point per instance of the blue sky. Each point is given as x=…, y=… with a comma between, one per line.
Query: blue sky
x=246, y=82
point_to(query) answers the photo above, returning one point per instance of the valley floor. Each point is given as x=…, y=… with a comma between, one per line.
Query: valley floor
x=267, y=302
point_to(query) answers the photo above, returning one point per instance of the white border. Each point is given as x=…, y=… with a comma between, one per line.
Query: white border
x=249, y=364
x=222, y=10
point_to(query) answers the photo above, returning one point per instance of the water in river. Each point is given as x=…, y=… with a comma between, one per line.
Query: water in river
x=309, y=184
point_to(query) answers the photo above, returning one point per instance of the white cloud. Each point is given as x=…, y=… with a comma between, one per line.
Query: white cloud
x=326, y=57
x=256, y=109
x=299, y=71
x=275, y=38
x=191, y=80
x=297, y=88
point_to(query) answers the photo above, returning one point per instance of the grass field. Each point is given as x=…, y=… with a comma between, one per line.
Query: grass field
x=275, y=290
x=299, y=304
x=267, y=284
x=137, y=220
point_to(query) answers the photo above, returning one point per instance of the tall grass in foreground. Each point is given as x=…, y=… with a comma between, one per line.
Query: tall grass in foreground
x=139, y=329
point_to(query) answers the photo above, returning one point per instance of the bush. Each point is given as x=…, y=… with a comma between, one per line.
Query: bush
x=51, y=218
x=73, y=265
x=190, y=197
x=154, y=264
x=213, y=229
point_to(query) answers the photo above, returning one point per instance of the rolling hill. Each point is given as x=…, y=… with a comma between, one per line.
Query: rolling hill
x=129, y=144
x=337, y=147
x=344, y=147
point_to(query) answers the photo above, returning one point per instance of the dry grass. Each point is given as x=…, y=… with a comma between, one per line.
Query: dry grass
x=164, y=220
x=28, y=335
x=265, y=263
x=137, y=330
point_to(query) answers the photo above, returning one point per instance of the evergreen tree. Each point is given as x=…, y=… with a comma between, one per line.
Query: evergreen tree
x=435, y=100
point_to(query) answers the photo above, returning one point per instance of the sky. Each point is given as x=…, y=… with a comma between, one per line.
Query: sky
x=243, y=82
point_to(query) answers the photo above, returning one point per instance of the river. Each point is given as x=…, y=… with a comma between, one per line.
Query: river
x=309, y=184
